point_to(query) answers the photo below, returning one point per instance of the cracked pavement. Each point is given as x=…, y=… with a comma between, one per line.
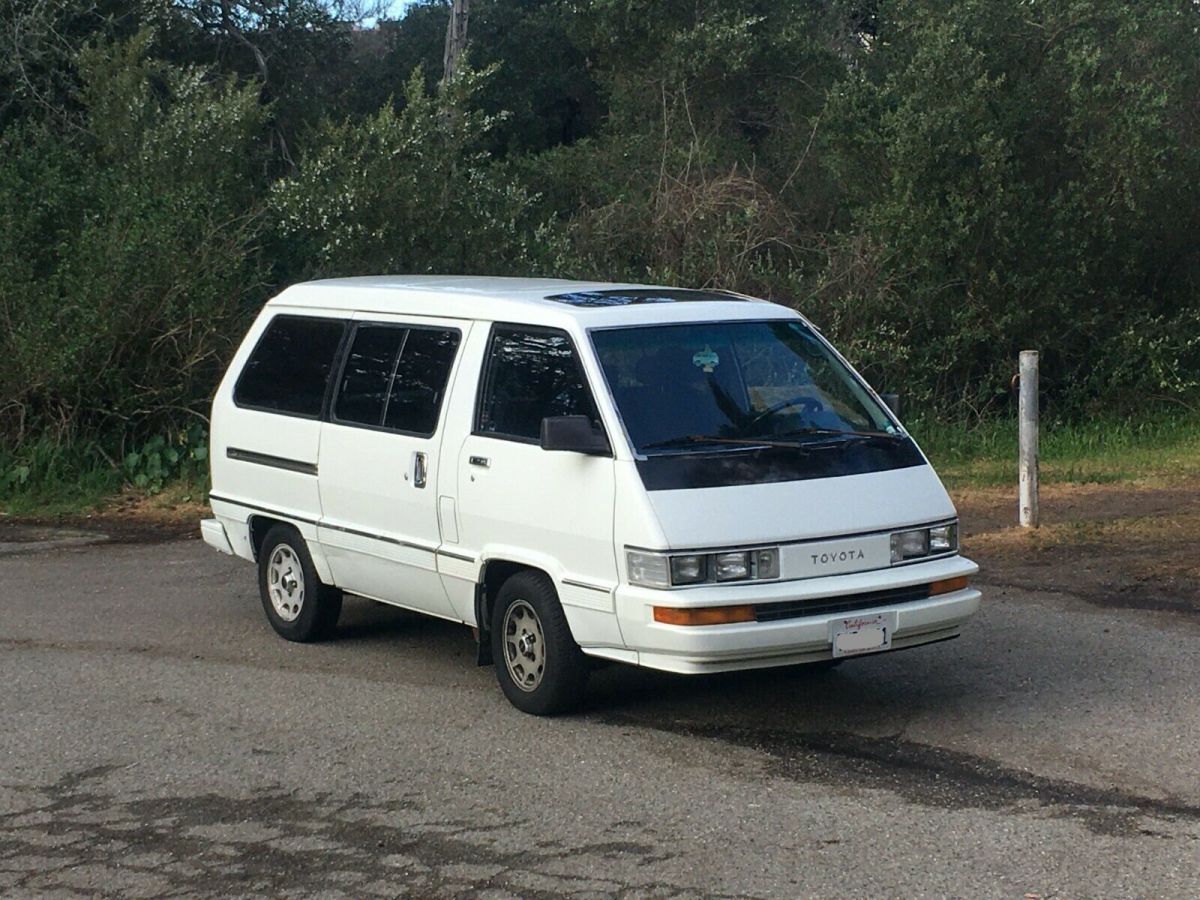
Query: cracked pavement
x=161, y=741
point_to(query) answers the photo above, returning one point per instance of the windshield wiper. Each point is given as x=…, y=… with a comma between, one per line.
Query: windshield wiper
x=690, y=440
x=836, y=432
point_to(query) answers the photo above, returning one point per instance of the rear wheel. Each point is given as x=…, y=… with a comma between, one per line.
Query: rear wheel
x=298, y=605
x=539, y=666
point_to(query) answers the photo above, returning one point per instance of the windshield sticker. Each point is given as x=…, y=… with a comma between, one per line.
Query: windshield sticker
x=706, y=359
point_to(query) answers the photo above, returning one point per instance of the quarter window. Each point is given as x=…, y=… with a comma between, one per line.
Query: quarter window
x=289, y=370
x=531, y=375
x=395, y=378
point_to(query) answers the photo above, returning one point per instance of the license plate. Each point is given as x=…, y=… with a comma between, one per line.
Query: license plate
x=862, y=634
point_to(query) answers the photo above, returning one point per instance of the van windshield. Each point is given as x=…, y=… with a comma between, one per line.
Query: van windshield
x=714, y=386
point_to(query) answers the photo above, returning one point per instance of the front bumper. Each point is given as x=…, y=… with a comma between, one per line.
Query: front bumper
x=747, y=645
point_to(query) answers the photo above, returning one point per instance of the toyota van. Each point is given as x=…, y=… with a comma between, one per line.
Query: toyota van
x=688, y=480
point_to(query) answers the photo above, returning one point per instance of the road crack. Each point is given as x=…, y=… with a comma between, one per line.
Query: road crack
x=934, y=776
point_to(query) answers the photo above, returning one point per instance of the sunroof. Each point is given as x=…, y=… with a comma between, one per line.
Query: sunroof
x=634, y=296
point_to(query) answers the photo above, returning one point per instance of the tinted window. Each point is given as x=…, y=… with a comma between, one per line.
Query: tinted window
x=367, y=375
x=683, y=388
x=532, y=374
x=420, y=380
x=289, y=369
x=696, y=399
x=396, y=377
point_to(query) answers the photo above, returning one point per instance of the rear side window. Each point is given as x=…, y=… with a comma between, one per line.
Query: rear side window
x=367, y=375
x=288, y=372
x=532, y=374
x=420, y=381
x=395, y=378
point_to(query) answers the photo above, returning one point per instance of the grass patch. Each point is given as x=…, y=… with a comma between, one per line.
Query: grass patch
x=44, y=479
x=50, y=479
x=1091, y=452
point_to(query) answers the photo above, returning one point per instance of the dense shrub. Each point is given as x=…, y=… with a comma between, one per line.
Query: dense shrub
x=403, y=191
x=1030, y=179
x=126, y=248
x=937, y=183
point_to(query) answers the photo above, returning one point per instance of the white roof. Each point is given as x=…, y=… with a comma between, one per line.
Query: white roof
x=521, y=300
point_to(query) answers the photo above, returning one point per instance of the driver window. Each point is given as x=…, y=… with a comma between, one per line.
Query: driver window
x=532, y=373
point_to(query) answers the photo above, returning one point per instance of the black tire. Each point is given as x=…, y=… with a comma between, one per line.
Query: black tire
x=283, y=563
x=556, y=677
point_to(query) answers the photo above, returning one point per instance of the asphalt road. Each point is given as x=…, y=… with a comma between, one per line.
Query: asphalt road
x=159, y=740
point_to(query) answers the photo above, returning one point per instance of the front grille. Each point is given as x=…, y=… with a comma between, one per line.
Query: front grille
x=795, y=609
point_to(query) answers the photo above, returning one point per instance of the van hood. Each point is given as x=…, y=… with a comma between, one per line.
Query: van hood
x=696, y=518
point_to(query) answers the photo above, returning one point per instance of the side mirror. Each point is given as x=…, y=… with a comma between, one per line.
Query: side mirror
x=893, y=402
x=574, y=434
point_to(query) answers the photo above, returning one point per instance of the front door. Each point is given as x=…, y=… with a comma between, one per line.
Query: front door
x=517, y=500
x=379, y=460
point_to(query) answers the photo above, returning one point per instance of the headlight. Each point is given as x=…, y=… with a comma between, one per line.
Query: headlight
x=663, y=570
x=766, y=563
x=648, y=569
x=910, y=544
x=688, y=569
x=921, y=542
x=731, y=566
x=943, y=539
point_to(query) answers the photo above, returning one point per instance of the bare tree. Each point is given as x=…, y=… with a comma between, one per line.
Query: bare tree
x=456, y=39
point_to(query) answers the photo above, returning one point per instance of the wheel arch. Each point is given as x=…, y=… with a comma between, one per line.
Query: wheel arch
x=541, y=668
x=260, y=525
x=494, y=571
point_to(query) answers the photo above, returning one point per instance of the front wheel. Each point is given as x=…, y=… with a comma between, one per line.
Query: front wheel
x=539, y=666
x=298, y=605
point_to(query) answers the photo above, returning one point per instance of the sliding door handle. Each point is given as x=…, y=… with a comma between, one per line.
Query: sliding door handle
x=420, y=469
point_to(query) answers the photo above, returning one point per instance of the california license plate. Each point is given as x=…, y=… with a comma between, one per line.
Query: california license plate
x=862, y=634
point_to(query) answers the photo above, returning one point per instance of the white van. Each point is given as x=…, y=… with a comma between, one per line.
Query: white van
x=689, y=480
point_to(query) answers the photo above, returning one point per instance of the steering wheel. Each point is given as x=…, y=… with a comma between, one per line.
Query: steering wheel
x=803, y=401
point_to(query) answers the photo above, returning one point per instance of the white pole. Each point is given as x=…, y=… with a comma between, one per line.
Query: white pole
x=1028, y=439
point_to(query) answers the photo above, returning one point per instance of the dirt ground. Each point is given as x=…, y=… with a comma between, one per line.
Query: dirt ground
x=131, y=518
x=1115, y=545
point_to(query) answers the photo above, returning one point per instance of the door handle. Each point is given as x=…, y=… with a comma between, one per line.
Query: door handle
x=420, y=469
x=482, y=461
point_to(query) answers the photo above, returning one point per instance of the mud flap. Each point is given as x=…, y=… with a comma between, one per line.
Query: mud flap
x=483, y=647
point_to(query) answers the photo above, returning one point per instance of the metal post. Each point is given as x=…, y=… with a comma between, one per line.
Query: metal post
x=1028, y=439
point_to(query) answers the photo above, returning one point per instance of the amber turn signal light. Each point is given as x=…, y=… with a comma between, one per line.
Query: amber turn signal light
x=946, y=585
x=708, y=615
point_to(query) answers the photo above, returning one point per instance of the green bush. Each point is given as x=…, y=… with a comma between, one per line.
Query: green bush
x=127, y=253
x=937, y=184
x=164, y=458
x=403, y=191
x=1023, y=175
